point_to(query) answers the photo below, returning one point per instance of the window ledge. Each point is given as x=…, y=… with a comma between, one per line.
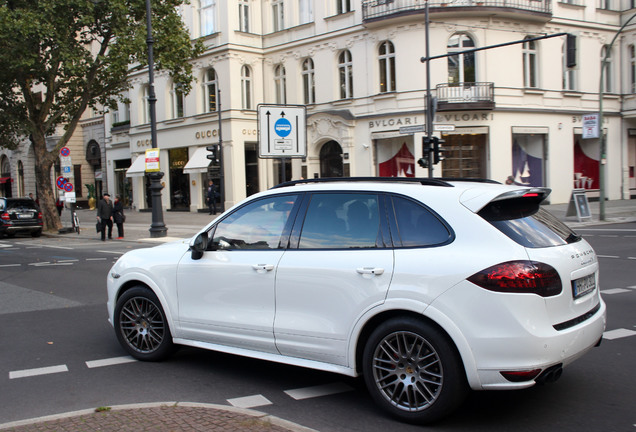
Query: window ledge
x=340, y=15
x=572, y=93
x=533, y=90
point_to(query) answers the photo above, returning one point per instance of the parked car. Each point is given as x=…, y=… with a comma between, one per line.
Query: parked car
x=426, y=287
x=20, y=215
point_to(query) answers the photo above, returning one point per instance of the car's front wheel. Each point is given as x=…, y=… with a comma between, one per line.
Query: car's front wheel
x=141, y=325
x=412, y=371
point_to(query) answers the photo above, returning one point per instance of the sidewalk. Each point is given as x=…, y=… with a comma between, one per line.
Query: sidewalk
x=158, y=417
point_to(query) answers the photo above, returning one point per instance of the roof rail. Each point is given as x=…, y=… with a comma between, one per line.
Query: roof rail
x=474, y=180
x=423, y=181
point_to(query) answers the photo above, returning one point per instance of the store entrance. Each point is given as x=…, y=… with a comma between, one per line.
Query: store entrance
x=465, y=156
x=179, y=182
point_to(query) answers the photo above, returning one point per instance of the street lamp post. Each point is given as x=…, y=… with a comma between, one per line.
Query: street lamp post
x=157, y=227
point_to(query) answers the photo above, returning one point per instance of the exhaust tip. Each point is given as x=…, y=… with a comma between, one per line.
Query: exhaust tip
x=550, y=375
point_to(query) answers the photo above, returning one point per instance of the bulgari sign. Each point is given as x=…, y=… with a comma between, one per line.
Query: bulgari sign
x=439, y=118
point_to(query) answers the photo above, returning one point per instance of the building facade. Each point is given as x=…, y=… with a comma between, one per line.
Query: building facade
x=515, y=110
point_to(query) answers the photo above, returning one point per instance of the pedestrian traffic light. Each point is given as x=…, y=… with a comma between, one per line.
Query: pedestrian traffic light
x=424, y=161
x=570, y=54
x=438, y=151
x=214, y=152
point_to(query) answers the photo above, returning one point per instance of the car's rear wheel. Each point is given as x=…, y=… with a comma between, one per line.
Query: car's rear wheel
x=141, y=325
x=413, y=371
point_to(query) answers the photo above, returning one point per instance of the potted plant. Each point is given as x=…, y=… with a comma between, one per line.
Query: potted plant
x=91, y=196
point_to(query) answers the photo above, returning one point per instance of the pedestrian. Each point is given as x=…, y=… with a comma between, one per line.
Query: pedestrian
x=105, y=216
x=119, y=217
x=59, y=204
x=211, y=197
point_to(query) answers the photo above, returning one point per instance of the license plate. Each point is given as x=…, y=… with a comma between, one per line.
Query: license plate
x=584, y=285
x=25, y=215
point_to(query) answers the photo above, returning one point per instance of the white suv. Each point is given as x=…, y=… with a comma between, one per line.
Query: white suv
x=426, y=287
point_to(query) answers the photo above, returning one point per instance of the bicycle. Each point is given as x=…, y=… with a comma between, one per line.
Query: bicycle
x=75, y=221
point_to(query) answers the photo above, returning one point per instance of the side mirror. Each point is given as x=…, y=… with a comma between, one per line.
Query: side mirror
x=199, y=245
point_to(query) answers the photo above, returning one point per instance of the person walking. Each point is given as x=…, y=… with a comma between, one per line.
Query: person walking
x=59, y=204
x=105, y=216
x=119, y=217
x=211, y=197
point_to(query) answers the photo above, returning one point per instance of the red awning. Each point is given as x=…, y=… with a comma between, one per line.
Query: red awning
x=5, y=180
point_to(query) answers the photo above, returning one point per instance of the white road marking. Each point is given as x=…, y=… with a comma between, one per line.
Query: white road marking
x=10, y=265
x=111, y=252
x=250, y=401
x=109, y=362
x=615, y=291
x=318, y=391
x=30, y=246
x=607, y=256
x=96, y=259
x=46, y=263
x=618, y=333
x=38, y=371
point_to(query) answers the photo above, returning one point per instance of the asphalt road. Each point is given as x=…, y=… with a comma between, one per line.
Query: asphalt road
x=59, y=354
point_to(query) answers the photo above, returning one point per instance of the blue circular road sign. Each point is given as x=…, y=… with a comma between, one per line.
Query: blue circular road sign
x=282, y=127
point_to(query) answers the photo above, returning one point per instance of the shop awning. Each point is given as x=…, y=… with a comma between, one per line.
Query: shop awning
x=198, y=163
x=5, y=180
x=138, y=167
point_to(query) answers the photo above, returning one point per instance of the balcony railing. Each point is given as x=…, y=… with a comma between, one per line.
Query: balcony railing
x=464, y=96
x=378, y=9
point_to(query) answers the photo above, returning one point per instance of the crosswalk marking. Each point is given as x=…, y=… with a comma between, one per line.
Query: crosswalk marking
x=250, y=401
x=37, y=371
x=318, y=391
x=109, y=362
x=618, y=333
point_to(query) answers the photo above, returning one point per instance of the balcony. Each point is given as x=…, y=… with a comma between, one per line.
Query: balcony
x=373, y=10
x=466, y=96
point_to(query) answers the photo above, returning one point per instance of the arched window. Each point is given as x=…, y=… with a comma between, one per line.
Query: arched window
x=345, y=71
x=211, y=88
x=331, y=164
x=530, y=66
x=246, y=87
x=280, y=83
x=387, y=67
x=309, y=84
x=461, y=67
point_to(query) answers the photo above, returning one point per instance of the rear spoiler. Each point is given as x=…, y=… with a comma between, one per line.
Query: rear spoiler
x=476, y=199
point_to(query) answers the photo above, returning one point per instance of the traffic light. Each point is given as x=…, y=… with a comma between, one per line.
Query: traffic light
x=214, y=152
x=424, y=161
x=438, y=151
x=570, y=54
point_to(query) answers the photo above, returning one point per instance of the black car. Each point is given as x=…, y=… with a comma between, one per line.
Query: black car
x=20, y=215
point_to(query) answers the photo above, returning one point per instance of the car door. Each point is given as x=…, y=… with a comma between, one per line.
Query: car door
x=339, y=266
x=227, y=296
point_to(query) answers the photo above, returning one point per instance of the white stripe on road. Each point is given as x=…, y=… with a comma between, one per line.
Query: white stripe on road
x=618, y=333
x=46, y=263
x=615, y=291
x=111, y=252
x=38, y=371
x=96, y=259
x=109, y=362
x=607, y=256
x=250, y=401
x=30, y=246
x=10, y=265
x=318, y=391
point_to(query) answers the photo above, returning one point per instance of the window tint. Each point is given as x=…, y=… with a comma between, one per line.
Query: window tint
x=528, y=224
x=258, y=225
x=341, y=221
x=417, y=225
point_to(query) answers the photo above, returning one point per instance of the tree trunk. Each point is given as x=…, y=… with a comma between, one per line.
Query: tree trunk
x=43, y=164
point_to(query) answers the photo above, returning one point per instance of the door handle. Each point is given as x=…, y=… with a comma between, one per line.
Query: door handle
x=370, y=270
x=263, y=268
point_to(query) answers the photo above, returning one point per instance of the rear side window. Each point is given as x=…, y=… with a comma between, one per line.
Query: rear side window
x=418, y=226
x=525, y=222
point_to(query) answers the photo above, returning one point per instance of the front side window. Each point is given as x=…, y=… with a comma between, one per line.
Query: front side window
x=345, y=72
x=211, y=88
x=461, y=67
x=244, y=15
x=387, y=67
x=530, y=64
x=341, y=221
x=246, y=87
x=280, y=83
x=208, y=17
x=417, y=226
x=309, y=85
x=257, y=225
x=277, y=15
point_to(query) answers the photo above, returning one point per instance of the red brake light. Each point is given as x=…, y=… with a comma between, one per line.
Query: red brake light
x=5, y=216
x=520, y=277
x=520, y=376
x=531, y=195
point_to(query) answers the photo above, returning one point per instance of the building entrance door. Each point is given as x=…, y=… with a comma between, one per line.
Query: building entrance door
x=465, y=156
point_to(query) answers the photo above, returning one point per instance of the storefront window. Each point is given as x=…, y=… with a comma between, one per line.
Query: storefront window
x=528, y=159
x=395, y=158
x=465, y=155
x=586, y=155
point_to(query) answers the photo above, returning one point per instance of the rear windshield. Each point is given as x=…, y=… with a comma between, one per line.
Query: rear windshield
x=18, y=204
x=527, y=223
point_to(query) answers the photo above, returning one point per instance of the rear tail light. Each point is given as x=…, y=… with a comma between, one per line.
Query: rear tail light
x=520, y=376
x=40, y=221
x=520, y=277
x=5, y=216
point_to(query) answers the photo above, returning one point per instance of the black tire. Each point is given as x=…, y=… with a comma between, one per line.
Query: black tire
x=141, y=325
x=413, y=371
